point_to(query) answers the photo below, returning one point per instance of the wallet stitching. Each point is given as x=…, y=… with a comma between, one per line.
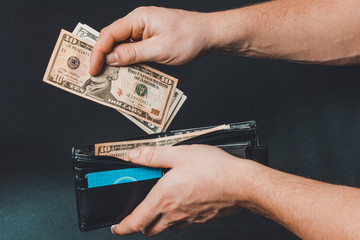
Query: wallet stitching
x=80, y=209
x=81, y=215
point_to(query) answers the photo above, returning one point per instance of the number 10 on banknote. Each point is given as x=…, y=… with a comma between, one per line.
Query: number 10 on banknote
x=140, y=91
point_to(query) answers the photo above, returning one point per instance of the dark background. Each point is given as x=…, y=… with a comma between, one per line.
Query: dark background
x=309, y=116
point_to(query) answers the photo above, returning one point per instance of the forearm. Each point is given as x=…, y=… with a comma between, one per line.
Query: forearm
x=325, y=31
x=309, y=208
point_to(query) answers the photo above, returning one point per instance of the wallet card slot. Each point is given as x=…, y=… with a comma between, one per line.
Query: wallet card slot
x=99, y=159
x=84, y=166
x=90, y=165
x=107, y=205
x=83, y=188
x=103, y=167
x=80, y=173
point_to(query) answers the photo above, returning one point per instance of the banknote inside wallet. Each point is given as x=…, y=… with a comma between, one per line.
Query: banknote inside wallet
x=106, y=205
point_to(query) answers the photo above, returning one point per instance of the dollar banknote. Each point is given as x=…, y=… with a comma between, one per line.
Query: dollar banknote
x=121, y=149
x=174, y=106
x=86, y=32
x=178, y=100
x=172, y=115
x=137, y=90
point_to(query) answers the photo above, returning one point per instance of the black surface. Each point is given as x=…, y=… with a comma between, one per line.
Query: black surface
x=308, y=115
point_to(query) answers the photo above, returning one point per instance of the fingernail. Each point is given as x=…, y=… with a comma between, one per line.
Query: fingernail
x=112, y=58
x=113, y=228
x=133, y=154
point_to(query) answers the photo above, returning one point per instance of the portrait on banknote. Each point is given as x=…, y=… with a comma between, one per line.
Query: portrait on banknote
x=100, y=86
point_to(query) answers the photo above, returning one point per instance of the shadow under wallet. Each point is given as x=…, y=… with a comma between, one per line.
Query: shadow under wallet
x=103, y=206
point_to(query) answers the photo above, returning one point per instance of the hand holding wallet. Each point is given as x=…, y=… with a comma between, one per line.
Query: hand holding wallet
x=105, y=205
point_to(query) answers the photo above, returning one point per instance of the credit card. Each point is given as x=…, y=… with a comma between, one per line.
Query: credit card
x=106, y=178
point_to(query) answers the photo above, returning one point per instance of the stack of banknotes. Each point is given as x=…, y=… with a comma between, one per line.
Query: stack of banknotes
x=146, y=96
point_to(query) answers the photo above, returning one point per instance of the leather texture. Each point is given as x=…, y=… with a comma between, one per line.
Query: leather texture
x=104, y=206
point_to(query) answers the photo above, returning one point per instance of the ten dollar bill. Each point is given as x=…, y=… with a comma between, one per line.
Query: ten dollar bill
x=121, y=149
x=137, y=90
x=90, y=34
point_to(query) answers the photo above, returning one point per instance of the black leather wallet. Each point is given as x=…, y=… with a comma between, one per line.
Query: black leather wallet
x=107, y=205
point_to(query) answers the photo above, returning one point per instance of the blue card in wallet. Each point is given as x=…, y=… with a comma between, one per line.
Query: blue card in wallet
x=106, y=178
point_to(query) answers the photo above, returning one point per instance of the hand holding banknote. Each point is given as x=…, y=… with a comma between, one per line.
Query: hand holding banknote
x=167, y=36
x=204, y=182
x=88, y=33
x=137, y=90
x=202, y=185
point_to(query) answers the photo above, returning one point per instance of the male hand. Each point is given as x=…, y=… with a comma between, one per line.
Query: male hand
x=204, y=183
x=167, y=36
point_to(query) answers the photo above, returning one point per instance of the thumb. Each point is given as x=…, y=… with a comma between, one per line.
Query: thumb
x=134, y=52
x=158, y=157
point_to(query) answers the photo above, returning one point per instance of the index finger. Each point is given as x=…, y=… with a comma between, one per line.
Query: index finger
x=120, y=30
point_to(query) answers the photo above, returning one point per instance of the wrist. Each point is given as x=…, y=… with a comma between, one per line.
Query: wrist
x=230, y=32
x=249, y=176
x=206, y=31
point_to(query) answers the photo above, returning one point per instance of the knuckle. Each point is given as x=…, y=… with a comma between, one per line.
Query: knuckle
x=139, y=10
x=144, y=10
x=128, y=54
x=168, y=204
x=150, y=8
x=138, y=228
x=149, y=154
x=104, y=31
